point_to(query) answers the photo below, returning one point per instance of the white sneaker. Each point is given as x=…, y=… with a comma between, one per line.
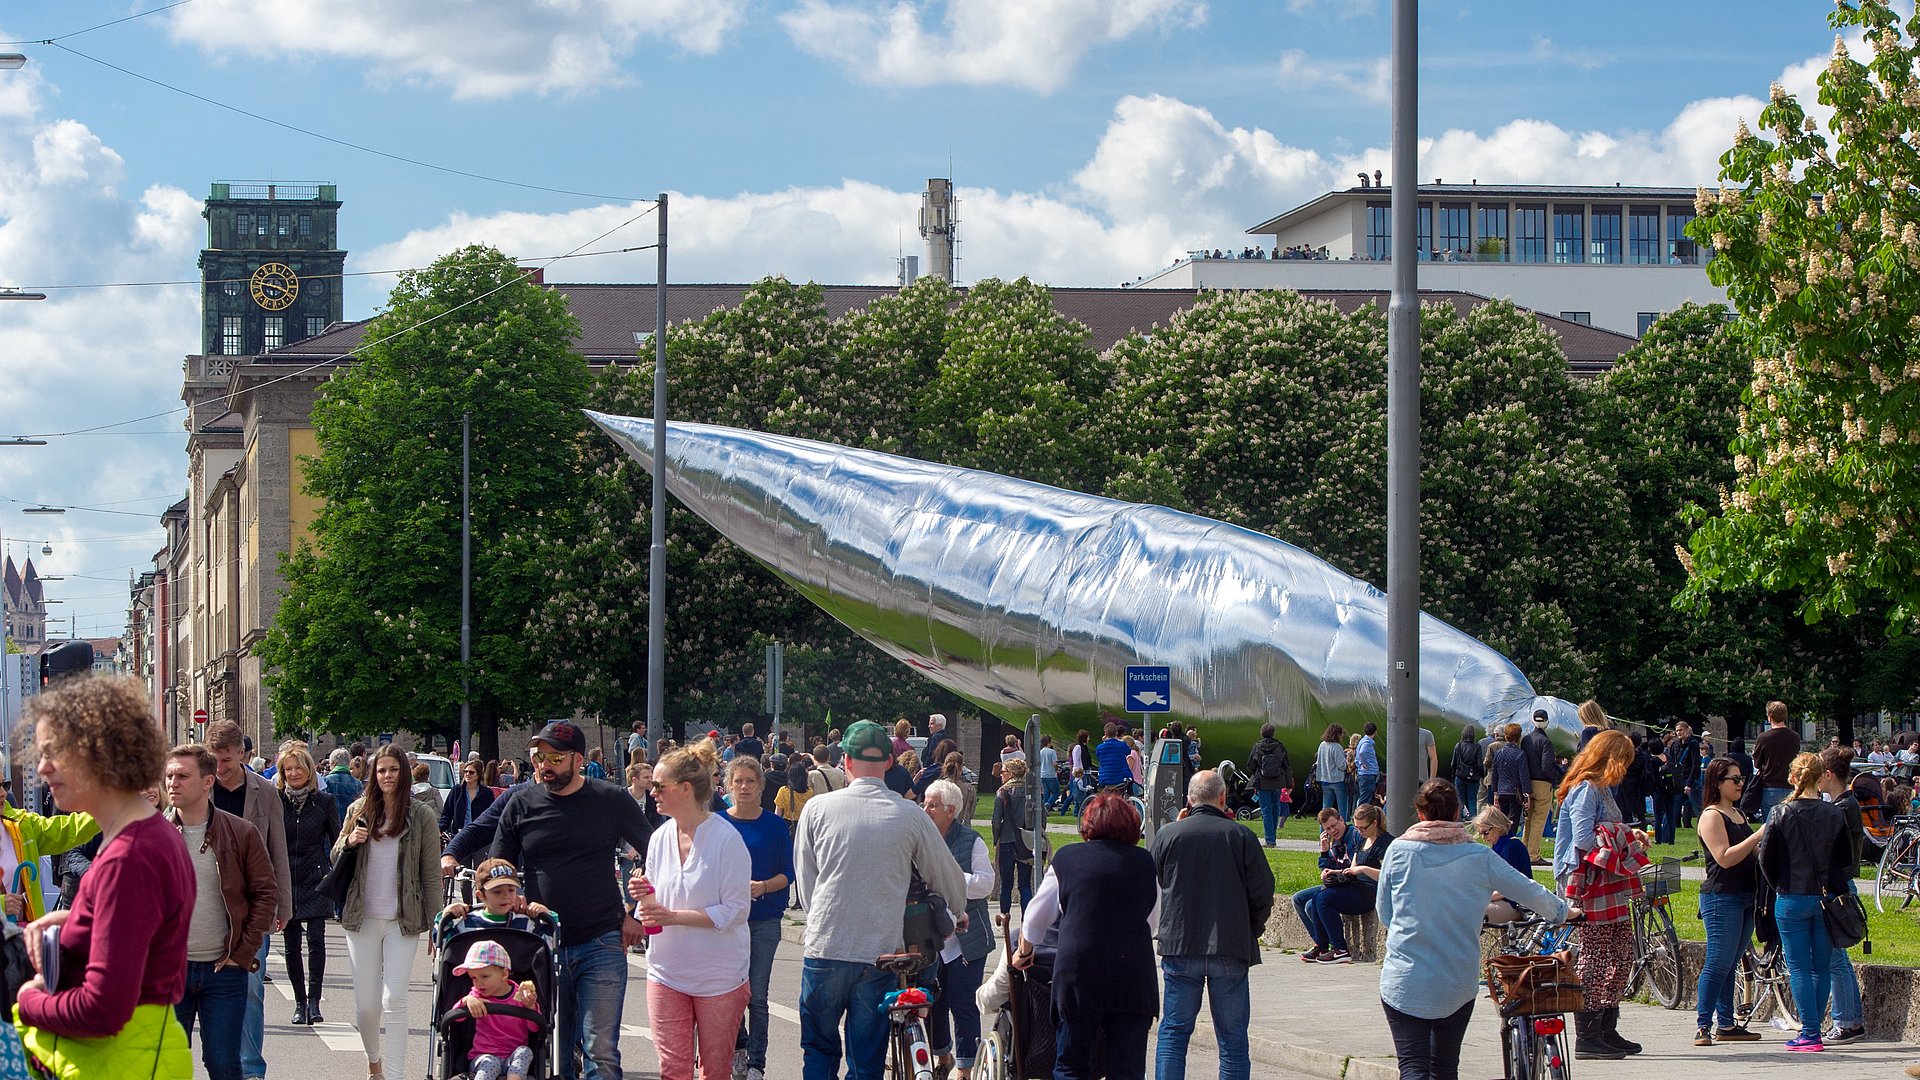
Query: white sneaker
x=755, y=1074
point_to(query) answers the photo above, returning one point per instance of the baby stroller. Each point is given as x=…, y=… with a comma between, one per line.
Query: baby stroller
x=535, y=956
x=1243, y=799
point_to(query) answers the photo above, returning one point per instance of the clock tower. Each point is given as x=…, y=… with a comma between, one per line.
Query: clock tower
x=270, y=273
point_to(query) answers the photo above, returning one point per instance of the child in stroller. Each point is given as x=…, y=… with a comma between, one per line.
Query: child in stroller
x=501, y=1039
x=1243, y=800
x=528, y=940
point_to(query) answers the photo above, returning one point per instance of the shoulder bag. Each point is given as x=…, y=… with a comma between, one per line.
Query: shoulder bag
x=1846, y=920
x=340, y=875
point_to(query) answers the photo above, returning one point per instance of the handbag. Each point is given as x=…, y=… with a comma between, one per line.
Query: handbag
x=339, y=877
x=1846, y=920
x=1535, y=985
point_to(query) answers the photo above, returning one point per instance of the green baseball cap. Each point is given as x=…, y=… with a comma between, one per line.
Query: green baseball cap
x=867, y=741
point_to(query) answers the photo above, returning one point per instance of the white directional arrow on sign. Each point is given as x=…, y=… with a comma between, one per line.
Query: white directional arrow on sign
x=1149, y=697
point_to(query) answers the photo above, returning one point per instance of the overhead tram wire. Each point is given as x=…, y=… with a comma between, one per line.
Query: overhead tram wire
x=549, y=260
x=317, y=365
x=309, y=132
x=100, y=26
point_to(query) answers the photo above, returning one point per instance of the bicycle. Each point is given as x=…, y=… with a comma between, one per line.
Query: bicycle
x=1657, y=960
x=1533, y=1003
x=1898, y=878
x=909, y=1056
x=1760, y=987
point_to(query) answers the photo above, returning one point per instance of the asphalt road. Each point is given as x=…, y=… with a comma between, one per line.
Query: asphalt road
x=332, y=1050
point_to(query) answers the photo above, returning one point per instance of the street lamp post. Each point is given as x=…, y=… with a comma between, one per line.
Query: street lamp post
x=1403, y=433
x=657, y=551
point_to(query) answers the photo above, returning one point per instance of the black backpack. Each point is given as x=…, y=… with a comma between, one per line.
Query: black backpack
x=1275, y=766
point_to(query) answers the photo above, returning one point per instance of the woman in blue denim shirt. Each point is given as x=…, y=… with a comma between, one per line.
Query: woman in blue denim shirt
x=1726, y=900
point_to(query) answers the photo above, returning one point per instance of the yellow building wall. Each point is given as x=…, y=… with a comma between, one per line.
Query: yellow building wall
x=301, y=443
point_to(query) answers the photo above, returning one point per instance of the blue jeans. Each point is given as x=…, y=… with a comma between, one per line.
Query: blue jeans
x=593, y=992
x=1666, y=816
x=1847, y=1011
x=953, y=1024
x=1050, y=791
x=1728, y=918
x=1337, y=796
x=1808, y=953
x=831, y=990
x=1467, y=791
x=1771, y=797
x=1269, y=812
x=1228, y=1001
x=765, y=935
x=253, y=1037
x=1363, y=787
x=219, y=998
x=1328, y=904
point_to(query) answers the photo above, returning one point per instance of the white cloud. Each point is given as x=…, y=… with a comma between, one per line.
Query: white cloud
x=479, y=49
x=1368, y=80
x=83, y=358
x=1020, y=43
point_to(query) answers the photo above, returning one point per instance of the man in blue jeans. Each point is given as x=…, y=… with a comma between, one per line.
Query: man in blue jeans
x=1215, y=893
x=232, y=909
x=855, y=851
x=563, y=832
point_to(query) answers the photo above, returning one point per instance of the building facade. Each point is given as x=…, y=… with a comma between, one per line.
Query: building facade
x=25, y=604
x=1611, y=257
x=271, y=271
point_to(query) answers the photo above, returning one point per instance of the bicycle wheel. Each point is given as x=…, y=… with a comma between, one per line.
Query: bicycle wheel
x=1894, y=883
x=1657, y=954
x=1773, y=972
x=1558, y=1061
x=1751, y=994
x=1516, y=1050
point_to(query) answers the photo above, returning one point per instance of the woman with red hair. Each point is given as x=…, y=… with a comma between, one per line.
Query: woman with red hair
x=1104, y=897
x=1596, y=861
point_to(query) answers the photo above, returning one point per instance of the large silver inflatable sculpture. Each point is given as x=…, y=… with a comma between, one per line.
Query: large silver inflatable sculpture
x=1025, y=598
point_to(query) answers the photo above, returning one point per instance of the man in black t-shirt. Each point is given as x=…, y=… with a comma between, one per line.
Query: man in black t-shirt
x=563, y=832
x=749, y=745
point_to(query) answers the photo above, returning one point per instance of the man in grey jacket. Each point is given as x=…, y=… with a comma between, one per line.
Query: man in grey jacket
x=855, y=851
x=1216, y=890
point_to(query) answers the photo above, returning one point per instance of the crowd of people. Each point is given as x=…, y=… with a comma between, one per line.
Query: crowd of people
x=697, y=857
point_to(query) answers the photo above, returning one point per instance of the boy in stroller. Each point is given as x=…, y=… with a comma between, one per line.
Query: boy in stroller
x=500, y=1042
x=498, y=885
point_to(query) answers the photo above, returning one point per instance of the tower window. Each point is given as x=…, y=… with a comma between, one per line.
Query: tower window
x=230, y=341
x=275, y=332
x=243, y=226
x=286, y=224
x=315, y=324
x=231, y=286
x=306, y=226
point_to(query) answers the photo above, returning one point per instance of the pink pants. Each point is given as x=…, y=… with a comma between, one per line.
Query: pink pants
x=679, y=1020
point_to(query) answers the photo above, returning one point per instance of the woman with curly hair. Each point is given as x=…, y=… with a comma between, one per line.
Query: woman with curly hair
x=123, y=944
x=1594, y=855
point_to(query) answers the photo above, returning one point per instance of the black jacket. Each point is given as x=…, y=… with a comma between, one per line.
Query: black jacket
x=1261, y=750
x=311, y=830
x=1543, y=761
x=1104, y=962
x=1805, y=850
x=1216, y=888
x=453, y=815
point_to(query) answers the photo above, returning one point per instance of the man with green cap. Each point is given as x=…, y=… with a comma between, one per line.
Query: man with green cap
x=855, y=851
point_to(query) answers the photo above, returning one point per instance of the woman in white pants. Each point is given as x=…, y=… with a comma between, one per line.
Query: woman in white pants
x=395, y=891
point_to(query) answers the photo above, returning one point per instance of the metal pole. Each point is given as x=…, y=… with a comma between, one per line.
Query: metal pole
x=466, y=581
x=657, y=553
x=1403, y=433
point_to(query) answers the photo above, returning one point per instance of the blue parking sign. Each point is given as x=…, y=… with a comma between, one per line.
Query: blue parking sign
x=1149, y=688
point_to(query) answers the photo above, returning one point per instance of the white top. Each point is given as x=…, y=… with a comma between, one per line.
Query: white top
x=381, y=877
x=716, y=879
x=207, y=929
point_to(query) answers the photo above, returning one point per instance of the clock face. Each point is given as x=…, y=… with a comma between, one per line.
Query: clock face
x=275, y=286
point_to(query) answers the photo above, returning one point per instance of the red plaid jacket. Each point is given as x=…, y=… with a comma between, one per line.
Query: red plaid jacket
x=1609, y=876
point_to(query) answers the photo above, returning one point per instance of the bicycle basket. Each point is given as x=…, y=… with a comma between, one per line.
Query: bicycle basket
x=1661, y=878
x=1534, y=985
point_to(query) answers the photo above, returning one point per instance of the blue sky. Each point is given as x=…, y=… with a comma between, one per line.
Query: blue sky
x=1091, y=140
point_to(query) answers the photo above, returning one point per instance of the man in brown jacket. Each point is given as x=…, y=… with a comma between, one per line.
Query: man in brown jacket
x=246, y=794
x=232, y=911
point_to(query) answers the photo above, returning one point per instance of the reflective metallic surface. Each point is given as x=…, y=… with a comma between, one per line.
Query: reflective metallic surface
x=1025, y=598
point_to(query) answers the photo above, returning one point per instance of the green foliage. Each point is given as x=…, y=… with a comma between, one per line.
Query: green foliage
x=368, y=636
x=1818, y=245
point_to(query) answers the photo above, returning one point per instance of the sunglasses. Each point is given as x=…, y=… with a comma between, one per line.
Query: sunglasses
x=1735, y=780
x=552, y=759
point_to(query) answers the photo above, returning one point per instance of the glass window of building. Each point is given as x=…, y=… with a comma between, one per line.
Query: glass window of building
x=230, y=341
x=243, y=225
x=1605, y=245
x=1569, y=234
x=1584, y=318
x=1379, y=231
x=262, y=224
x=1492, y=234
x=1456, y=239
x=1423, y=244
x=306, y=226
x=275, y=332
x=286, y=224
x=315, y=324
x=1643, y=236
x=1681, y=250
x=231, y=286
x=1646, y=322
x=1530, y=233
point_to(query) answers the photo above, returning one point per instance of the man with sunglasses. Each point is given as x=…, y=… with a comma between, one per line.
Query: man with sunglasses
x=562, y=831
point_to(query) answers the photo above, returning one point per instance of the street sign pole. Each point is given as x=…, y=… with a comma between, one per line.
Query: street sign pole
x=776, y=688
x=1403, y=433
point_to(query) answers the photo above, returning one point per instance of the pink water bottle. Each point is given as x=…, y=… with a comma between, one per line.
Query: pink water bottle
x=647, y=888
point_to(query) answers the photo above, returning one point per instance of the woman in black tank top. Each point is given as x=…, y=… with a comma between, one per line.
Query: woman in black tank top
x=1726, y=900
